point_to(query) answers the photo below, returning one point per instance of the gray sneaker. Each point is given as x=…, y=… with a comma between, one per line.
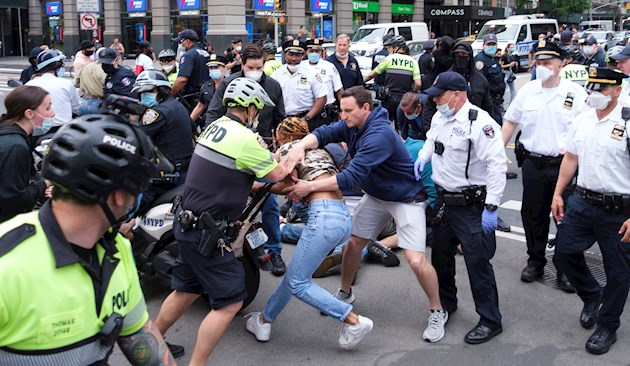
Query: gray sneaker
x=348, y=298
x=435, y=328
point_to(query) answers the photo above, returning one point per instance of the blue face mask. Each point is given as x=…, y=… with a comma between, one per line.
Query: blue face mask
x=61, y=72
x=313, y=57
x=47, y=123
x=490, y=50
x=148, y=99
x=215, y=74
x=131, y=210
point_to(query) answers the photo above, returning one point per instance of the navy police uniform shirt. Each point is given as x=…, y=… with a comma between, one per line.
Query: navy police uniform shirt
x=120, y=82
x=490, y=68
x=169, y=126
x=350, y=73
x=207, y=92
x=377, y=59
x=193, y=66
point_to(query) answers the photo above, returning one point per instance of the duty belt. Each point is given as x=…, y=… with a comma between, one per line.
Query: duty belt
x=613, y=203
x=215, y=233
x=542, y=161
x=467, y=196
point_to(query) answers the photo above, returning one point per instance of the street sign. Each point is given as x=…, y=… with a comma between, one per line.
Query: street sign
x=88, y=21
x=88, y=6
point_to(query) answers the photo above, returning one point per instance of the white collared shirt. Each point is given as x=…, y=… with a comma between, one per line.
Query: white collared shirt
x=545, y=114
x=299, y=90
x=330, y=77
x=602, y=151
x=64, y=96
x=487, y=156
x=624, y=97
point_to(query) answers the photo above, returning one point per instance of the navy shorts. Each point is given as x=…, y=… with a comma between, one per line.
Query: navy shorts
x=221, y=276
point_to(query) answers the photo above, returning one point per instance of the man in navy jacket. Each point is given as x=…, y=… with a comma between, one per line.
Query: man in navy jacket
x=383, y=168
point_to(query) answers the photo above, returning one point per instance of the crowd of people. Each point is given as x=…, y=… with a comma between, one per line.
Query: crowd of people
x=427, y=152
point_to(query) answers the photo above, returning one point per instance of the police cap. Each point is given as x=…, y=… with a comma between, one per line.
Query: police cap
x=314, y=44
x=216, y=60
x=448, y=80
x=624, y=54
x=545, y=50
x=295, y=46
x=602, y=77
x=490, y=38
x=186, y=34
x=107, y=56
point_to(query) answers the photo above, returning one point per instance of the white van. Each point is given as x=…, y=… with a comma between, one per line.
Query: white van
x=606, y=25
x=520, y=30
x=369, y=38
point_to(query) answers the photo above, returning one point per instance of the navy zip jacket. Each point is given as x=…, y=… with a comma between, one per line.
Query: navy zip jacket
x=380, y=165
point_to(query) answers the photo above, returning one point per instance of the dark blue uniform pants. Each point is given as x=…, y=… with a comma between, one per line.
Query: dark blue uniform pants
x=464, y=224
x=584, y=224
x=538, y=187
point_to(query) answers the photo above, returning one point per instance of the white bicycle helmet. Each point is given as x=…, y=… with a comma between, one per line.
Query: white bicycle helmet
x=147, y=80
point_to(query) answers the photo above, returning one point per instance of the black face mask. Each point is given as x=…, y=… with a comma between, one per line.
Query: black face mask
x=108, y=69
x=462, y=62
x=88, y=53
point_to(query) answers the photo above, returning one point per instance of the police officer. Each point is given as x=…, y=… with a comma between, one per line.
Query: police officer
x=216, y=67
x=271, y=64
x=592, y=53
x=573, y=69
x=379, y=80
x=168, y=124
x=543, y=109
x=166, y=57
x=490, y=68
x=192, y=65
x=233, y=156
x=426, y=63
x=70, y=288
x=623, y=64
x=303, y=90
x=330, y=77
x=469, y=165
x=404, y=74
x=599, y=210
x=346, y=64
x=119, y=79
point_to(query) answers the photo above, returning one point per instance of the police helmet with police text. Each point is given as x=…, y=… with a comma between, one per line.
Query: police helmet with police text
x=149, y=79
x=49, y=60
x=245, y=91
x=94, y=155
x=395, y=41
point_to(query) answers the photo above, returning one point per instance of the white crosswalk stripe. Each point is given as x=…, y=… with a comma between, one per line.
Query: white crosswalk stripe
x=517, y=233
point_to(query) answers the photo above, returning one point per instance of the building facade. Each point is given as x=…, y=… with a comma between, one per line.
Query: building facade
x=66, y=23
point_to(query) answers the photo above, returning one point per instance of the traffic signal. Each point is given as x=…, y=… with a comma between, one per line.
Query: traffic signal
x=277, y=4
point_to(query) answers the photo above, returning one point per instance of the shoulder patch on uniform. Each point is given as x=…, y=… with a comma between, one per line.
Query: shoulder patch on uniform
x=149, y=116
x=126, y=81
x=488, y=131
x=182, y=60
x=262, y=142
x=353, y=66
x=14, y=237
x=479, y=65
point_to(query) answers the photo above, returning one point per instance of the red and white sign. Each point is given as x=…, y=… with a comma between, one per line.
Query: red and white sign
x=88, y=21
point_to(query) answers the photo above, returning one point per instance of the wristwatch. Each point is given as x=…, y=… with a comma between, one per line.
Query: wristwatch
x=491, y=208
x=307, y=118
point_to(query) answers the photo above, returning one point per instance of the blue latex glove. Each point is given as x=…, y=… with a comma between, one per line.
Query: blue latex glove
x=489, y=220
x=418, y=167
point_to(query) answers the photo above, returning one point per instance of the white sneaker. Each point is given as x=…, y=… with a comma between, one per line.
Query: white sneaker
x=351, y=335
x=435, y=329
x=255, y=326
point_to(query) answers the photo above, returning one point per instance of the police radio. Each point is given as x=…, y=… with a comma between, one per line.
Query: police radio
x=472, y=116
x=625, y=115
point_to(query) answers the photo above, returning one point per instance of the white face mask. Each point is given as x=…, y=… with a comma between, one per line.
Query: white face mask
x=254, y=75
x=598, y=100
x=293, y=68
x=411, y=116
x=168, y=68
x=543, y=73
x=588, y=50
x=239, y=48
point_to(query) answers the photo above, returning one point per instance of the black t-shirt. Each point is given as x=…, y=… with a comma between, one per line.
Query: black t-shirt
x=506, y=59
x=230, y=58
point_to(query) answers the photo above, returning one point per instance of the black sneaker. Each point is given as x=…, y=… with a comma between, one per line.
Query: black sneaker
x=380, y=253
x=278, y=267
x=176, y=351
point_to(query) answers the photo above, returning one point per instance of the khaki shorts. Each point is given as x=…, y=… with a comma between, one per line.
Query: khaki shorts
x=371, y=215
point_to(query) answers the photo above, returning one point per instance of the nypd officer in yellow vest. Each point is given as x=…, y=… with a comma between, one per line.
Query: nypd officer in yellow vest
x=70, y=288
x=403, y=74
x=599, y=209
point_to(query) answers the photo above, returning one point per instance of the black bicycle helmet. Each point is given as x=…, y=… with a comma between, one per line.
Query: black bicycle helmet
x=149, y=79
x=95, y=155
x=50, y=60
x=166, y=55
x=395, y=41
x=572, y=51
x=270, y=48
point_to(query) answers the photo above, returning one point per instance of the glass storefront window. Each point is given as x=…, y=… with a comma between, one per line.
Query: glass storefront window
x=135, y=29
x=198, y=23
x=261, y=24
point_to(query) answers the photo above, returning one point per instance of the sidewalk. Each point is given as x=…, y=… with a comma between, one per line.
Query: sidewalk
x=15, y=64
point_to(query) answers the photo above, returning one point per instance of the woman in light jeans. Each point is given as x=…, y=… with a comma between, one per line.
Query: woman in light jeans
x=510, y=64
x=329, y=225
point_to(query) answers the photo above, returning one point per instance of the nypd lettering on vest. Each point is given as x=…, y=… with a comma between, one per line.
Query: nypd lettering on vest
x=116, y=142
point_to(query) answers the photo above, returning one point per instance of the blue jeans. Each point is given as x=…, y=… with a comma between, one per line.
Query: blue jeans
x=512, y=87
x=329, y=225
x=291, y=233
x=271, y=224
x=90, y=106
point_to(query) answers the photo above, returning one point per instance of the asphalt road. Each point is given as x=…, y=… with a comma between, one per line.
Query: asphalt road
x=540, y=322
